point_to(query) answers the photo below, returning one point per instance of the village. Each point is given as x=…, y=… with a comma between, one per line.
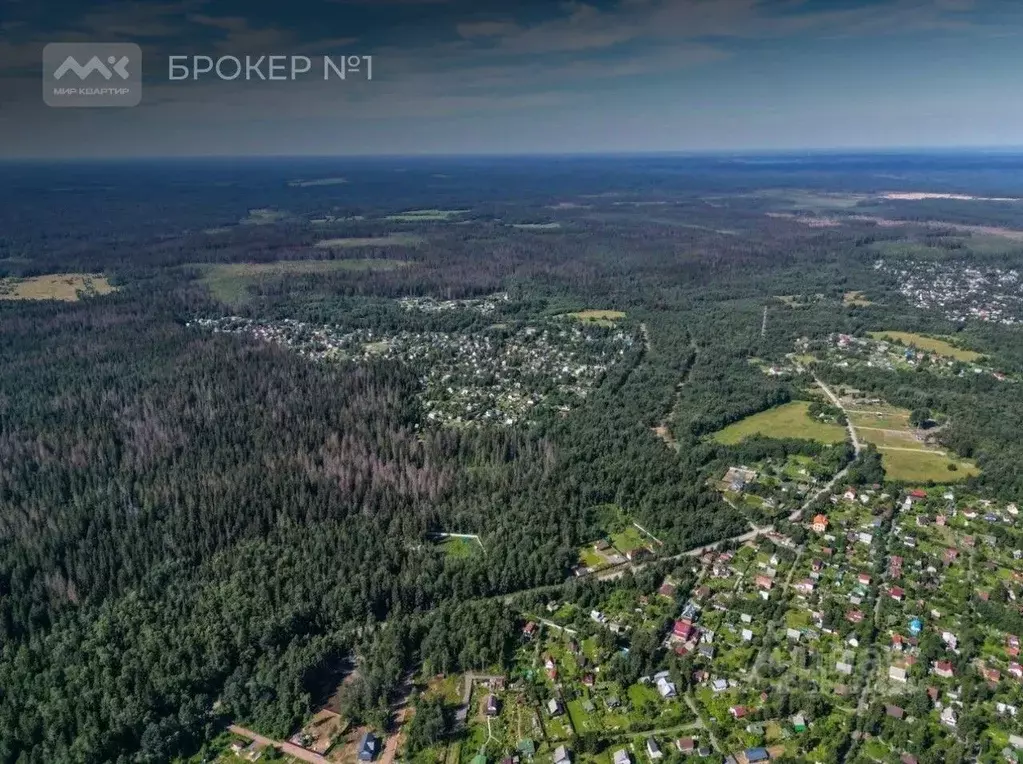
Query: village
x=884, y=622
x=501, y=376
x=959, y=292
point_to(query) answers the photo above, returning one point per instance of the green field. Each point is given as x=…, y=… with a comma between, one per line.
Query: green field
x=930, y=344
x=66, y=287
x=885, y=421
x=789, y=421
x=230, y=282
x=416, y=216
x=921, y=466
x=629, y=539
x=391, y=240
x=459, y=548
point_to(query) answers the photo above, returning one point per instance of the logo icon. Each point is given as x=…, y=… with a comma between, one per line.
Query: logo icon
x=110, y=76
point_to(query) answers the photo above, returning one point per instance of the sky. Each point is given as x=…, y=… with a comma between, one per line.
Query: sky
x=483, y=77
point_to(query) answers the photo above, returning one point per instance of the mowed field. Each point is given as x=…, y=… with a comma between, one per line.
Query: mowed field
x=599, y=317
x=930, y=344
x=789, y=421
x=904, y=455
x=229, y=282
x=66, y=287
x=391, y=240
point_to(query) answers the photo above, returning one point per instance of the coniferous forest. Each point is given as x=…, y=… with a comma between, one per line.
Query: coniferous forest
x=200, y=527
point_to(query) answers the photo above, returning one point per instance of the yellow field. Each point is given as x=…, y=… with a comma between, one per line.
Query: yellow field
x=930, y=344
x=789, y=421
x=602, y=317
x=856, y=298
x=67, y=287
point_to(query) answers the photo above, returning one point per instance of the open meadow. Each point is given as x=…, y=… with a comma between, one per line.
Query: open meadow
x=67, y=287
x=930, y=344
x=789, y=421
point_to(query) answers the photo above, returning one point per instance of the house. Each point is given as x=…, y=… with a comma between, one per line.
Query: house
x=850, y=494
x=793, y=634
x=897, y=673
x=562, y=756
x=897, y=593
x=493, y=705
x=683, y=628
x=613, y=702
x=1016, y=741
x=754, y=755
x=907, y=758
x=719, y=685
x=653, y=750
x=622, y=757
x=686, y=745
x=948, y=716
x=854, y=616
x=707, y=651
x=943, y=669
x=554, y=707
x=864, y=579
x=799, y=723
x=747, y=635
x=895, y=712
x=992, y=675
x=820, y=523
x=917, y=495
x=843, y=668
x=764, y=582
x=527, y=747
x=529, y=630
x=1015, y=670
x=737, y=712
x=667, y=590
x=666, y=688
x=1006, y=709
x=368, y=746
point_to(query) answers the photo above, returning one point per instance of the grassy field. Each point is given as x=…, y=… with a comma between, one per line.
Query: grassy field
x=391, y=240
x=856, y=298
x=629, y=539
x=599, y=317
x=894, y=420
x=416, y=216
x=789, y=421
x=930, y=344
x=460, y=548
x=67, y=287
x=229, y=282
x=921, y=466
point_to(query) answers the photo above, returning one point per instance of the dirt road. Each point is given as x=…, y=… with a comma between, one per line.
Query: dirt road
x=289, y=748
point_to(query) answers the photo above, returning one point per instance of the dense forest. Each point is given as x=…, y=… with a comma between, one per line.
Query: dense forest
x=197, y=528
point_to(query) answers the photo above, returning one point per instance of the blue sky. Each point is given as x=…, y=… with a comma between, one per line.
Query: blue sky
x=535, y=77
